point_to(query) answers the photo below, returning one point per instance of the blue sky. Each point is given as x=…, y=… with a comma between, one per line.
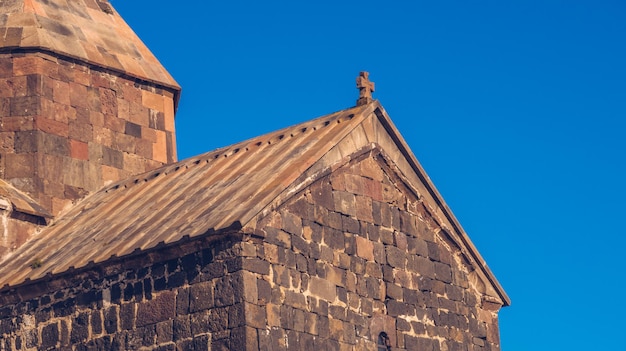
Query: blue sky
x=516, y=109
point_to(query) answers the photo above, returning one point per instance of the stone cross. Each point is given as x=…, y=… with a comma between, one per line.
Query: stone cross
x=365, y=88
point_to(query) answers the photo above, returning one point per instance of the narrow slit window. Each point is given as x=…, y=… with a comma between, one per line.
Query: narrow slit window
x=383, y=342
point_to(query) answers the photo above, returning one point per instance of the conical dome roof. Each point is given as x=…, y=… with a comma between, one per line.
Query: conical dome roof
x=86, y=30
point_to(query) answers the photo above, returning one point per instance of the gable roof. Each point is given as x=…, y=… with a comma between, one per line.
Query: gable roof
x=222, y=190
x=87, y=30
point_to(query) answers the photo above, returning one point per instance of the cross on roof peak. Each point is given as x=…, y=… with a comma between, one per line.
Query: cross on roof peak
x=366, y=87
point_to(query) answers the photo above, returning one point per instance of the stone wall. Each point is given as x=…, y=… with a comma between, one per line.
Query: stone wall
x=67, y=128
x=187, y=297
x=355, y=255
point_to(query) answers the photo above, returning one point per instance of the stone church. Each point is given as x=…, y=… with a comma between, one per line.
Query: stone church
x=327, y=235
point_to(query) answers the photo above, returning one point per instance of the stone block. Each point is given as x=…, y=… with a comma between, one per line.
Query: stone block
x=264, y=291
x=80, y=328
x=201, y=296
x=255, y=265
x=124, y=142
x=425, y=267
x=140, y=338
x=60, y=92
x=152, y=100
x=363, y=208
x=373, y=269
x=345, y=203
x=49, y=336
x=111, y=319
x=20, y=142
x=375, y=288
x=353, y=183
x=225, y=290
x=445, y=256
x=80, y=131
x=386, y=236
x=143, y=148
x=334, y=238
x=372, y=189
x=278, y=237
x=213, y=320
x=113, y=158
x=295, y=299
x=332, y=219
x=132, y=130
x=114, y=124
x=96, y=322
x=181, y=328
x=454, y=292
x=159, y=148
x=176, y=279
x=79, y=150
x=5, y=112
x=338, y=181
x=25, y=106
x=395, y=257
x=433, y=251
x=19, y=165
x=127, y=316
x=291, y=223
x=78, y=95
x=350, y=225
x=323, y=289
x=336, y=329
x=103, y=137
x=394, y=292
x=93, y=99
x=108, y=102
x=300, y=245
x=443, y=272
x=417, y=246
x=302, y=263
x=255, y=316
x=6, y=64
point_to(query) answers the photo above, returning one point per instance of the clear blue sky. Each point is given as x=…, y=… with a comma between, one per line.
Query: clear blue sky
x=516, y=109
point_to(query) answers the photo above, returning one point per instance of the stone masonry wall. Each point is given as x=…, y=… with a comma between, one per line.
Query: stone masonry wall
x=67, y=128
x=353, y=256
x=188, y=297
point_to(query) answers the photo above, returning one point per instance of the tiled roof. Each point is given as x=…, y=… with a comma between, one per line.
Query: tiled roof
x=220, y=190
x=87, y=30
x=22, y=202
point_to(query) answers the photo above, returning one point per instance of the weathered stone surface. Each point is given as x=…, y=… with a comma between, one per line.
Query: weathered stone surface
x=161, y=308
x=59, y=108
x=201, y=296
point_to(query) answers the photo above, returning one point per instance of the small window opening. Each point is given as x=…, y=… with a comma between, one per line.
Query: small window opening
x=383, y=342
